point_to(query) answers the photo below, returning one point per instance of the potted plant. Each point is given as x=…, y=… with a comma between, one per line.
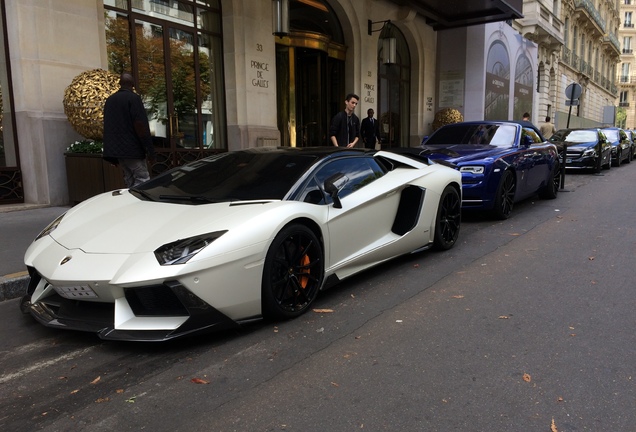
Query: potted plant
x=87, y=174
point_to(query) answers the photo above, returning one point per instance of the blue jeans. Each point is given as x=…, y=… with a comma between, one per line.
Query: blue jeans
x=135, y=171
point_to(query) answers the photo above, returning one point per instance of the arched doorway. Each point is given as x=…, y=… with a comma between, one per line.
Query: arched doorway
x=174, y=50
x=394, y=75
x=309, y=74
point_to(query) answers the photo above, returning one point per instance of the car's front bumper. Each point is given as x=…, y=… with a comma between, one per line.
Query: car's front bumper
x=152, y=313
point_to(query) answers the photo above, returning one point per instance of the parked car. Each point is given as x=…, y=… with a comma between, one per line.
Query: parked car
x=235, y=237
x=585, y=148
x=621, y=145
x=501, y=163
x=632, y=136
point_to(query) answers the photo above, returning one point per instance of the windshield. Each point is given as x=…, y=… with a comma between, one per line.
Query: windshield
x=233, y=176
x=575, y=136
x=611, y=134
x=482, y=134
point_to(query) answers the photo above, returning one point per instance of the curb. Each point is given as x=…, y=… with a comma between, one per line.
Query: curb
x=13, y=287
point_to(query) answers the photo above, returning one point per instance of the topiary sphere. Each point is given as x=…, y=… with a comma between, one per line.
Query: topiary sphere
x=446, y=116
x=84, y=101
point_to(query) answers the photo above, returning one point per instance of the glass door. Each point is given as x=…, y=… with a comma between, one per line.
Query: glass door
x=310, y=91
x=167, y=84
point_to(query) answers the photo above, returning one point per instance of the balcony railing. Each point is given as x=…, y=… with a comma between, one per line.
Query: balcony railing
x=589, y=7
x=627, y=50
x=623, y=104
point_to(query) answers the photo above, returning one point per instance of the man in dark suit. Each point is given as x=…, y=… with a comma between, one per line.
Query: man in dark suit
x=370, y=130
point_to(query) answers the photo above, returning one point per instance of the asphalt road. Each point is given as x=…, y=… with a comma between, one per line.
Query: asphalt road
x=526, y=325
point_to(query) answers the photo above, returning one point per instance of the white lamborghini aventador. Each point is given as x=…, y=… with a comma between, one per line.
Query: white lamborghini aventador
x=235, y=237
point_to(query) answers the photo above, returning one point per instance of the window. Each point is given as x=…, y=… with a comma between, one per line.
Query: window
x=627, y=44
x=360, y=171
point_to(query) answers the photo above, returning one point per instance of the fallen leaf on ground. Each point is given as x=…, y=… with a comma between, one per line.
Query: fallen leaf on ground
x=591, y=258
x=504, y=317
x=527, y=377
x=100, y=400
x=74, y=391
x=199, y=381
x=458, y=296
x=96, y=380
x=119, y=391
x=553, y=427
x=323, y=310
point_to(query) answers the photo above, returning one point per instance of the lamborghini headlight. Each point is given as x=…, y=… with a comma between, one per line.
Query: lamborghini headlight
x=472, y=169
x=180, y=251
x=50, y=228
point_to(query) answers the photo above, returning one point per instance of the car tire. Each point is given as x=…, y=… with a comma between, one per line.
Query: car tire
x=628, y=159
x=504, y=200
x=619, y=158
x=551, y=190
x=292, y=274
x=448, y=220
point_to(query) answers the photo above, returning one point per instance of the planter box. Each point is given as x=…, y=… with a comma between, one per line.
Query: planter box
x=88, y=175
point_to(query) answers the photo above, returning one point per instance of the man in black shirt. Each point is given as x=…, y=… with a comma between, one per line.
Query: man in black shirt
x=127, y=140
x=345, y=126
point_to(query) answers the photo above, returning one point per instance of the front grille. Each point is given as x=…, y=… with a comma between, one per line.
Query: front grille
x=157, y=300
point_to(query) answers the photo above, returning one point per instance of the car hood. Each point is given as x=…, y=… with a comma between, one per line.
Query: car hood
x=458, y=153
x=580, y=146
x=112, y=223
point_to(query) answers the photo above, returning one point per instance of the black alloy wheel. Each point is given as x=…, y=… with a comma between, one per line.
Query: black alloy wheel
x=619, y=158
x=551, y=190
x=505, y=198
x=448, y=221
x=292, y=274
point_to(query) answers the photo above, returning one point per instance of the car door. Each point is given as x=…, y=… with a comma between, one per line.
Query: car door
x=537, y=160
x=358, y=231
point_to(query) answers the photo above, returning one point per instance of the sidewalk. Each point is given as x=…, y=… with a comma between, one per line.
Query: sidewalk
x=19, y=225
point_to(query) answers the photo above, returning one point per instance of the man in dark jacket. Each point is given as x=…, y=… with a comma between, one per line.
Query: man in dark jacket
x=345, y=126
x=127, y=140
x=370, y=130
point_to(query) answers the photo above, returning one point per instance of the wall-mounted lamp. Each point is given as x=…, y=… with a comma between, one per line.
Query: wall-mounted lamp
x=280, y=17
x=389, y=44
x=389, y=52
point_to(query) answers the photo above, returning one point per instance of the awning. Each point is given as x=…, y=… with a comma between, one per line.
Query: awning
x=445, y=14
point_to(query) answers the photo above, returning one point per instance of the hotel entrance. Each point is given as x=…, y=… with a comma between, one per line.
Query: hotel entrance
x=310, y=75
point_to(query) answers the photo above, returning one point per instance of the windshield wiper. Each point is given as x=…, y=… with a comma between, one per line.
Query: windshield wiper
x=191, y=198
x=143, y=194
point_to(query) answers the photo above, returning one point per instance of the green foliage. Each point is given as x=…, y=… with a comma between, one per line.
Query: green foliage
x=621, y=117
x=85, y=146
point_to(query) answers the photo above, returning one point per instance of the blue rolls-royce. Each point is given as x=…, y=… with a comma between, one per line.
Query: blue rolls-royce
x=502, y=162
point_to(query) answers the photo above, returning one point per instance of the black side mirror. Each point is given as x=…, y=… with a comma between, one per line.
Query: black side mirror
x=333, y=185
